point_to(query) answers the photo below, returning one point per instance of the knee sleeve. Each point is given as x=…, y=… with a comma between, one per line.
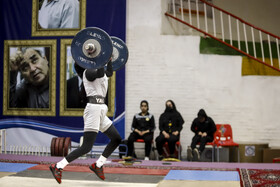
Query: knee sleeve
x=115, y=138
x=113, y=134
x=89, y=139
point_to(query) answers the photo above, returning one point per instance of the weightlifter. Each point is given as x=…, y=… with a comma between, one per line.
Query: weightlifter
x=96, y=85
x=95, y=119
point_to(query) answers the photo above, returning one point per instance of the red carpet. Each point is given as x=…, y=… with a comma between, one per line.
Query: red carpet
x=259, y=177
x=131, y=171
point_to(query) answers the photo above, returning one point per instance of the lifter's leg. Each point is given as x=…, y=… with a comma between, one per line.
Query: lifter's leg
x=115, y=138
x=56, y=169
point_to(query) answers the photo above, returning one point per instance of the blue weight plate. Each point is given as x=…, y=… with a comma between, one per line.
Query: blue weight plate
x=120, y=53
x=103, y=48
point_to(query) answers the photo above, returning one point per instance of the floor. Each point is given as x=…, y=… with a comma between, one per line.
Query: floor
x=29, y=171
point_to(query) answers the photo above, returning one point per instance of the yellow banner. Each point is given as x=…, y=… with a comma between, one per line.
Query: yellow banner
x=252, y=67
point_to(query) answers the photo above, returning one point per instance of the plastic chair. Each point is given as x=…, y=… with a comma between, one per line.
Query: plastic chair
x=223, y=138
x=178, y=150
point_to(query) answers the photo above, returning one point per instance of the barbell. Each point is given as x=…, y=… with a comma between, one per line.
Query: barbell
x=92, y=48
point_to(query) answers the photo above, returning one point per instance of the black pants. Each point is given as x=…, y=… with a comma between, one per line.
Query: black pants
x=203, y=140
x=89, y=139
x=160, y=141
x=148, y=138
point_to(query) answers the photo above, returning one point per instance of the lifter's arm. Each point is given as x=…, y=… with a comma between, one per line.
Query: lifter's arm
x=109, y=70
x=92, y=74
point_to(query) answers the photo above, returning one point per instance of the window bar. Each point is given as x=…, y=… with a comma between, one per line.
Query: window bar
x=205, y=16
x=214, y=21
x=277, y=47
x=25, y=150
x=270, y=53
x=46, y=153
x=197, y=14
x=190, y=15
x=246, y=42
x=253, y=40
x=21, y=150
x=38, y=150
x=222, y=25
x=182, y=10
x=43, y=151
x=238, y=33
x=173, y=3
x=230, y=33
x=261, y=41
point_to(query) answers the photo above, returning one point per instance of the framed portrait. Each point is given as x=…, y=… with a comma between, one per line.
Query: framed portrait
x=72, y=95
x=58, y=18
x=29, y=87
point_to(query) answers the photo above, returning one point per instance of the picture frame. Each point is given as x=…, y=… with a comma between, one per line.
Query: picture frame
x=49, y=48
x=36, y=30
x=66, y=72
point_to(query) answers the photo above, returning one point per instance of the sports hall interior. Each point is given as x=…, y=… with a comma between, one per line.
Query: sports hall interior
x=171, y=57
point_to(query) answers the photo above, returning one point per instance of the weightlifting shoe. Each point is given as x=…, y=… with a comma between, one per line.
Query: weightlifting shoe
x=56, y=172
x=98, y=171
x=189, y=154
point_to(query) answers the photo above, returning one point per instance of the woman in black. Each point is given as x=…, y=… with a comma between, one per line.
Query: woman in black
x=204, y=128
x=170, y=126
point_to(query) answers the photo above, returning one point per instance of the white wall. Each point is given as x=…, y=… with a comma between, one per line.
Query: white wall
x=261, y=13
x=163, y=67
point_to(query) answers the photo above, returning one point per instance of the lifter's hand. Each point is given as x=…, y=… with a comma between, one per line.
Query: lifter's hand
x=15, y=60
